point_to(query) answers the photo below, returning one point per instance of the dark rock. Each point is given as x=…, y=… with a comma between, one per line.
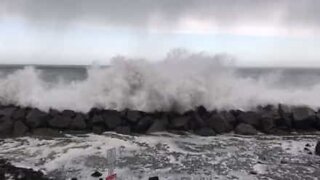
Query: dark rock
x=60, y=122
x=154, y=178
x=98, y=129
x=245, y=129
x=123, y=130
x=54, y=112
x=179, y=123
x=19, y=114
x=133, y=116
x=78, y=123
x=303, y=118
x=97, y=120
x=196, y=121
x=20, y=128
x=7, y=111
x=143, y=124
x=47, y=132
x=112, y=119
x=6, y=126
x=219, y=123
x=96, y=174
x=250, y=117
x=205, y=131
x=158, y=125
x=317, y=149
x=285, y=120
x=202, y=112
x=36, y=118
x=68, y=113
x=236, y=112
x=269, y=116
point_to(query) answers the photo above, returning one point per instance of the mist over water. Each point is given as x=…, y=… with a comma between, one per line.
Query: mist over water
x=179, y=82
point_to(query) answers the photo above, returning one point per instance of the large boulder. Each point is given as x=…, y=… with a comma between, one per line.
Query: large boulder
x=19, y=114
x=123, y=130
x=7, y=111
x=159, y=125
x=98, y=129
x=269, y=117
x=143, y=125
x=285, y=120
x=221, y=122
x=36, y=118
x=46, y=132
x=6, y=126
x=78, y=123
x=112, y=119
x=245, y=129
x=97, y=120
x=250, y=117
x=20, y=129
x=205, y=131
x=68, y=113
x=133, y=116
x=303, y=117
x=196, y=121
x=60, y=122
x=179, y=122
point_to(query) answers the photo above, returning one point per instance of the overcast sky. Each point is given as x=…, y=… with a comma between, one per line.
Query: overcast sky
x=256, y=32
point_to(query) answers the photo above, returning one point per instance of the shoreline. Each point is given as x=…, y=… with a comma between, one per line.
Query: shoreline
x=279, y=119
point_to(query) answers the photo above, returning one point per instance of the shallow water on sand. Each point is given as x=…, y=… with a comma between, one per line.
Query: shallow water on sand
x=169, y=156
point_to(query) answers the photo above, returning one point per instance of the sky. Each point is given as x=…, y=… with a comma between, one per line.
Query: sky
x=255, y=32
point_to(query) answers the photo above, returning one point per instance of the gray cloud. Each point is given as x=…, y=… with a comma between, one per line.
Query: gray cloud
x=137, y=13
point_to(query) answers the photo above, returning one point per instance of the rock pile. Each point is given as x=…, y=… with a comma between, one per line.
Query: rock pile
x=20, y=121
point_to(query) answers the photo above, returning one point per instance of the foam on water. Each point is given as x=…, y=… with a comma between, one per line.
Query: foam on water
x=179, y=82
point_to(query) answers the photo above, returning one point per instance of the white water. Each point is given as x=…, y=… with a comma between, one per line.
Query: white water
x=181, y=81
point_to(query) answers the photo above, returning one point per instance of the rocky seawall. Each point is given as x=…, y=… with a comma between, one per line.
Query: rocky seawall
x=280, y=119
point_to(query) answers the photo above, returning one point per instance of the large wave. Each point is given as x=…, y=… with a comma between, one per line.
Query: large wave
x=179, y=82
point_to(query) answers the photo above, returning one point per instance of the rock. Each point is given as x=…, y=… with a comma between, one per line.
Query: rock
x=219, y=123
x=143, y=124
x=20, y=129
x=179, y=123
x=269, y=116
x=205, y=131
x=78, y=123
x=60, y=122
x=158, y=125
x=36, y=118
x=98, y=129
x=7, y=111
x=202, y=112
x=285, y=120
x=6, y=126
x=317, y=149
x=47, y=132
x=123, y=130
x=303, y=118
x=54, y=112
x=154, y=178
x=112, y=119
x=251, y=118
x=96, y=174
x=245, y=129
x=133, y=116
x=19, y=114
x=196, y=121
x=97, y=120
x=68, y=113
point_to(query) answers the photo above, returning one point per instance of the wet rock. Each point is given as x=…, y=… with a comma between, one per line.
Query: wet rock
x=158, y=125
x=245, y=129
x=98, y=129
x=19, y=114
x=202, y=112
x=54, y=112
x=68, y=113
x=7, y=111
x=78, y=123
x=112, y=119
x=60, y=122
x=196, y=121
x=251, y=118
x=205, y=131
x=133, y=116
x=97, y=120
x=143, y=124
x=269, y=116
x=179, y=123
x=20, y=129
x=123, y=130
x=36, y=118
x=154, y=178
x=219, y=123
x=285, y=120
x=6, y=126
x=303, y=118
x=317, y=149
x=96, y=174
x=47, y=132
